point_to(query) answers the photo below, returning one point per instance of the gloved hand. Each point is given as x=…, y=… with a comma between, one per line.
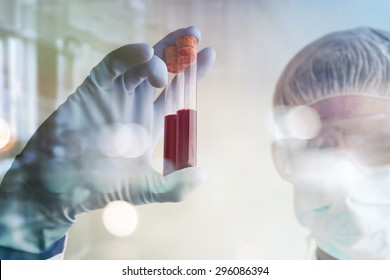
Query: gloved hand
x=95, y=148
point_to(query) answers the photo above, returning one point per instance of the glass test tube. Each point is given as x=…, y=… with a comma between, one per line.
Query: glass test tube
x=186, y=133
x=180, y=127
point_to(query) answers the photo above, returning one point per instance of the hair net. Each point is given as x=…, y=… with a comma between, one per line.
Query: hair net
x=351, y=62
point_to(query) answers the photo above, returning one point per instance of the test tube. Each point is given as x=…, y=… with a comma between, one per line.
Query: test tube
x=180, y=128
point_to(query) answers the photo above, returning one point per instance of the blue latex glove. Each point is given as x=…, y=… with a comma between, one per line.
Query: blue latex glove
x=72, y=165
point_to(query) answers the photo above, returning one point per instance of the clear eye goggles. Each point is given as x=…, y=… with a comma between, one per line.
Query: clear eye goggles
x=363, y=141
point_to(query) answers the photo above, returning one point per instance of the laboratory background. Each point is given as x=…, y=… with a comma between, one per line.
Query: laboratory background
x=243, y=210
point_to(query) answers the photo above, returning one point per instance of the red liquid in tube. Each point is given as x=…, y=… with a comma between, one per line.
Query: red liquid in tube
x=169, y=144
x=186, y=138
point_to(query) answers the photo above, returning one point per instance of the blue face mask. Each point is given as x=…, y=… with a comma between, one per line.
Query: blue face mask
x=345, y=207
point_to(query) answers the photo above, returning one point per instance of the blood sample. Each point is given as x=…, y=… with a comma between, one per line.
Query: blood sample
x=170, y=131
x=186, y=138
x=180, y=128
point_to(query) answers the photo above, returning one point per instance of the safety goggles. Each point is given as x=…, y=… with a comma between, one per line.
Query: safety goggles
x=364, y=141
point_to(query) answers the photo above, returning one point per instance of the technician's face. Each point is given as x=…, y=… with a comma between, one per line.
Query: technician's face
x=340, y=169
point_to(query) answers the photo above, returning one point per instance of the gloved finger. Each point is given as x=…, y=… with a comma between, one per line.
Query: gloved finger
x=205, y=60
x=119, y=62
x=170, y=39
x=141, y=80
x=154, y=70
x=179, y=184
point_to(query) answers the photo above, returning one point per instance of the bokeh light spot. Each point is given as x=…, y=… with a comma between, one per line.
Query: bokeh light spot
x=125, y=140
x=120, y=218
x=303, y=122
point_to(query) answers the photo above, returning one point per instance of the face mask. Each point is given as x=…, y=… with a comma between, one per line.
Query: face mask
x=347, y=209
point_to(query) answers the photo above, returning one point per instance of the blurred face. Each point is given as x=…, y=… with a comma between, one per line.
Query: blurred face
x=340, y=169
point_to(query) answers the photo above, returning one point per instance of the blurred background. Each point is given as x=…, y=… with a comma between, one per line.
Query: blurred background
x=244, y=210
